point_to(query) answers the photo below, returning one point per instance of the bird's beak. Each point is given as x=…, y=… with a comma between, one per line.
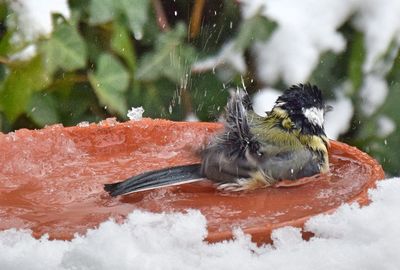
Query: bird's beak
x=328, y=108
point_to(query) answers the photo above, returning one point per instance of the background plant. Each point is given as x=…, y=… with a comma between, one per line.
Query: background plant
x=179, y=58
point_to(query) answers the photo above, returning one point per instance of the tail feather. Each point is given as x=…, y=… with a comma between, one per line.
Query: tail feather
x=154, y=179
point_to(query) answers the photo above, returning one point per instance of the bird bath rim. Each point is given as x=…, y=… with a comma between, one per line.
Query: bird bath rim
x=51, y=180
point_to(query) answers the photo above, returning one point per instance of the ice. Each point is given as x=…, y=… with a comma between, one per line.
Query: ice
x=135, y=114
x=83, y=124
x=108, y=122
x=353, y=237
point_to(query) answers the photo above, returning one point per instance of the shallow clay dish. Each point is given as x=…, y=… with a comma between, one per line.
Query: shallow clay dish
x=51, y=180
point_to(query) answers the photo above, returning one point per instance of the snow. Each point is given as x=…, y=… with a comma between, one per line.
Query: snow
x=228, y=57
x=306, y=29
x=264, y=100
x=34, y=18
x=135, y=114
x=386, y=126
x=338, y=121
x=373, y=93
x=353, y=237
x=25, y=54
x=379, y=20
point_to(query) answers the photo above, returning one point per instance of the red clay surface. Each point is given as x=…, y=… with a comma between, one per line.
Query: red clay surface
x=51, y=180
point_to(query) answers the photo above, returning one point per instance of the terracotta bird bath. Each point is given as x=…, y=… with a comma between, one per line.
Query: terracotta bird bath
x=51, y=180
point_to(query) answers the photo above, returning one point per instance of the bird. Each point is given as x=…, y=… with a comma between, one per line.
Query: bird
x=253, y=151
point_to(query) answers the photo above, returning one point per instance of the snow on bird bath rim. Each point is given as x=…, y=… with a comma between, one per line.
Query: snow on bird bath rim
x=135, y=114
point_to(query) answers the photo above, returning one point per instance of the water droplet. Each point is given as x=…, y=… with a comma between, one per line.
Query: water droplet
x=176, y=13
x=385, y=142
x=230, y=25
x=244, y=86
x=170, y=109
x=138, y=35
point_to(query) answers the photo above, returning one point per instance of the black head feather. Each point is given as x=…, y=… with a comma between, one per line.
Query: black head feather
x=302, y=102
x=301, y=96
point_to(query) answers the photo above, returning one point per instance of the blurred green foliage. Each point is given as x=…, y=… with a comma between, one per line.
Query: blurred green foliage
x=109, y=57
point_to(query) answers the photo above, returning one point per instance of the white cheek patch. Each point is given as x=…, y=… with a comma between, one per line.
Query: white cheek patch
x=314, y=115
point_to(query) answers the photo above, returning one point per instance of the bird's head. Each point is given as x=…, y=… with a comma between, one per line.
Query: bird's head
x=305, y=107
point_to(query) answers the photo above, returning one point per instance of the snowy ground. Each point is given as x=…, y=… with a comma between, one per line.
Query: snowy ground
x=351, y=238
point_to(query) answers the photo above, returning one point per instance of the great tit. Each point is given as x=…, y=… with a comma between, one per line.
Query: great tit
x=253, y=151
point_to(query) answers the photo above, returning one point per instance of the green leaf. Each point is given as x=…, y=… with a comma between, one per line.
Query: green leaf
x=122, y=45
x=65, y=49
x=136, y=12
x=5, y=43
x=42, y=109
x=19, y=85
x=110, y=81
x=76, y=104
x=253, y=29
x=172, y=58
x=330, y=72
x=101, y=11
x=209, y=96
x=356, y=60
